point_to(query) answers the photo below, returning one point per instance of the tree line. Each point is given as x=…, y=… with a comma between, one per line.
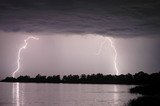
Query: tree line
x=137, y=78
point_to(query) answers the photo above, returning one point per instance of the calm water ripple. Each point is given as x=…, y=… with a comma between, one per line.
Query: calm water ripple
x=33, y=94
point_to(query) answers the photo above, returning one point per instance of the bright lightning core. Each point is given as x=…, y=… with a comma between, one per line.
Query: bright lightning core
x=115, y=51
x=19, y=53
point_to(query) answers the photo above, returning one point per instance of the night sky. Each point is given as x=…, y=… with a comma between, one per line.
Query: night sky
x=71, y=32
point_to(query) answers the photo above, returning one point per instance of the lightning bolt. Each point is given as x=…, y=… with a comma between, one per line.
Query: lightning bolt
x=19, y=53
x=115, y=57
x=114, y=49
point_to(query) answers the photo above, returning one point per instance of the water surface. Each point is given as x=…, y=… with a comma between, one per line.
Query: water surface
x=33, y=94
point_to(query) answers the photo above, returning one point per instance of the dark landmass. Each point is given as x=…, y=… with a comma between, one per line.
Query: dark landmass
x=137, y=78
x=151, y=95
x=151, y=89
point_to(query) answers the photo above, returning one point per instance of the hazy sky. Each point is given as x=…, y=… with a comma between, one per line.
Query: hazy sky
x=71, y=32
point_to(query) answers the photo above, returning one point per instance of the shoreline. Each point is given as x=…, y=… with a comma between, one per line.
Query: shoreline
x=150, y=95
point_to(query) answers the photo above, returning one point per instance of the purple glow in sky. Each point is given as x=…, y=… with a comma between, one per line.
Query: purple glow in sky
x=72, y=31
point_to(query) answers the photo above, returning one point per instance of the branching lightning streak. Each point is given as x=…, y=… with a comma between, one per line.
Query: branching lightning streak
x=115, y=51
x=101, y=46
x=19, y=53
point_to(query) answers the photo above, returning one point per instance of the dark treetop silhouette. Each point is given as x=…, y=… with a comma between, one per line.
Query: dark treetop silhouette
x=137, y=78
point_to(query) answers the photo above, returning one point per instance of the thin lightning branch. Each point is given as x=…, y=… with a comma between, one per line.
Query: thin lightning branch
x=101, y=46
x=115, y=51
x=19, y=53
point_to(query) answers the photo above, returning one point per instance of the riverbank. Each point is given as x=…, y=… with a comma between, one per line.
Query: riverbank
x=150, y=95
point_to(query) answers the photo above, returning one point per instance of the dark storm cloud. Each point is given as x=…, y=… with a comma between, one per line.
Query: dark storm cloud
x=123, y=18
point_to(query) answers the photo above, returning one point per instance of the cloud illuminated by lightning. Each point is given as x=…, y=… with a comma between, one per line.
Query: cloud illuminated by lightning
x=20, y=50
x=115, y=51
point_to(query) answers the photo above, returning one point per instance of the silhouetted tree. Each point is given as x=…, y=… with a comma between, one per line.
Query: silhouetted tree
x=141, y=78
x=40, y=78
x=137, y=78
x=23, y=78
x=53, y=79
x=9, y=79
x=83, y=78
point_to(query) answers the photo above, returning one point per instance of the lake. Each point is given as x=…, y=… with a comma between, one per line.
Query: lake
x=43, y=94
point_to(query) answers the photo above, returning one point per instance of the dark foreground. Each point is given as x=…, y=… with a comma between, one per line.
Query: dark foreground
x=150, y=95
